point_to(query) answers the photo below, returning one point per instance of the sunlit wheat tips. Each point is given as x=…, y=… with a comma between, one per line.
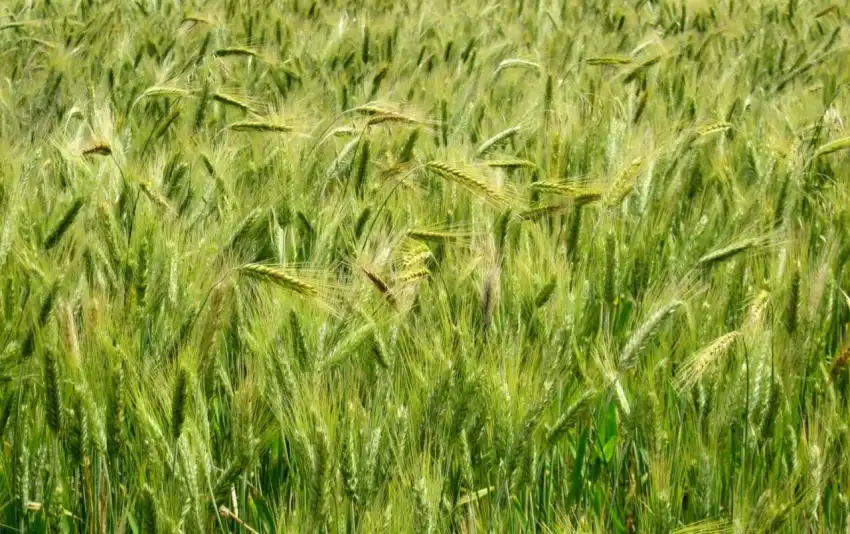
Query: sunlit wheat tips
x=279, y=277
x=579, y=194
x=469, y=180
x=696, y=366
x=622, y=184
x=729, y=251
x=642, y=333
x=400, y=267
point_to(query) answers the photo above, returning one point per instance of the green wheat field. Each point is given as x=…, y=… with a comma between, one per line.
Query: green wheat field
x=422, y=266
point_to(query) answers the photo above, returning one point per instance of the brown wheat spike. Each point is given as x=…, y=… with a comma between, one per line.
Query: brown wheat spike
x=609, y=60
x=259, y=126
x=468, y=180
x=281, y=278
x=623, y=183
x=99, y=148
x=839, y=362
x=695, y=367
x=379, y=283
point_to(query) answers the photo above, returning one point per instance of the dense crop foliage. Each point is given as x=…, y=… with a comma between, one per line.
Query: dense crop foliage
x=424, y=266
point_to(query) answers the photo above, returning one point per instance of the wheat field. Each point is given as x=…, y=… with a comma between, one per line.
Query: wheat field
x=424, y=266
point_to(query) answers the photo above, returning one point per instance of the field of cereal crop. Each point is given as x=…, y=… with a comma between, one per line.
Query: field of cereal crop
x=424, y=266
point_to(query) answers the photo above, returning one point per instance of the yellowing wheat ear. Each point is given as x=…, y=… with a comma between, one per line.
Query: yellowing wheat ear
x=413, y=275
x=279, y=277
x=623, y=184
x=510, y=163
x=579, y=193
x=713, y=128
x=609, y=60
x=470, y=180
x=697, y=365
x=259, y=126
